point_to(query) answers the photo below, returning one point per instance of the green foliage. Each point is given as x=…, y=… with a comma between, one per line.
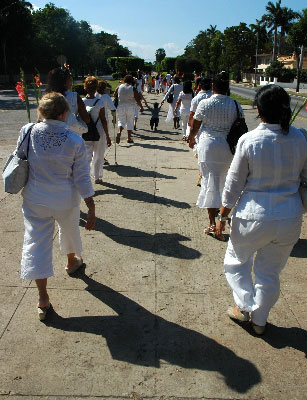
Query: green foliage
x=186, y=65
x=116, y=75
x=160, y=55
x=277, y=70
x=124, y=64
x=168, y=63
x=148, y=67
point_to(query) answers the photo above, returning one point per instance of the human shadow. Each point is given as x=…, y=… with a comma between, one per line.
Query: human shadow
x=146, y=137
x=300, y=249
x=139, y=337
x=127, y=171
x=165, y=244
x=157, y=147
x=280, y=337
x=139, y=195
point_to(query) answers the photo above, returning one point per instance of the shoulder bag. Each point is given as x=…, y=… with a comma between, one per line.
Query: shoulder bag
x=170, y=98
x=92, y=135
x=15, y=173
x=238, y=128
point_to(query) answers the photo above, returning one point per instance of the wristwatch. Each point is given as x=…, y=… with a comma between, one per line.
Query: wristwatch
x=222, y=219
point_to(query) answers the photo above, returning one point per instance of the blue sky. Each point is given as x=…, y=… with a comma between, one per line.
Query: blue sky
x=146, y=26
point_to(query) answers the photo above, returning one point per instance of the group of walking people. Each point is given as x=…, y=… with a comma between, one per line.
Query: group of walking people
x=258, y=184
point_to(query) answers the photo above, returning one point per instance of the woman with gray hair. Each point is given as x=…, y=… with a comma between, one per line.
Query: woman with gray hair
x=58, y=178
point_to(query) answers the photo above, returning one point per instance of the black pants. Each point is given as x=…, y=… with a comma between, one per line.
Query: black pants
x=154, y=122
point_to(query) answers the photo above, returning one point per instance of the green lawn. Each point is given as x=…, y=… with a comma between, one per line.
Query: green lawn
x=242, y=100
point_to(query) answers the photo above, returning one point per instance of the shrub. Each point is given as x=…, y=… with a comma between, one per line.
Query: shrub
x=116, y=75
x=123, y=64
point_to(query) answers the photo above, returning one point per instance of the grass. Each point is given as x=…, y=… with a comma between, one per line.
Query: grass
x=297, y=94
x=242, y=100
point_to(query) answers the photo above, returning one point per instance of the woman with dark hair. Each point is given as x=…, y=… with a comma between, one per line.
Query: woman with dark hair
x=216, y=115
x=59, y=80
x=263, y=180
x=127, y=96
x=96, y=149
x=174, y=90
x=184, y=101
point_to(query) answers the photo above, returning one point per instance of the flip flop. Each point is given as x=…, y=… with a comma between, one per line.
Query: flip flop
x=42, y=312
x=117, y=140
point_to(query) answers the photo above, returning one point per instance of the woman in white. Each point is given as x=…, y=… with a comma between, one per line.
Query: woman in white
x=96, y=149
x=184, y=101
x=59, y=80
x=262, y=183
x=157, y=84
x=175, y=90
x=216, y=115
x=108, y=103
x=127, y=96
x=58, y=178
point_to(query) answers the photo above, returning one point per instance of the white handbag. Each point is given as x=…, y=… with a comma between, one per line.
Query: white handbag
x=15, y=173
x=76, y=124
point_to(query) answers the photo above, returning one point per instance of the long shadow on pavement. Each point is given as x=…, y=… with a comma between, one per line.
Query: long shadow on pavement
x=139, y=195
x=300, y=249
x=140, y=337
x=165, y=244
x=157, y=147
x=127, y=171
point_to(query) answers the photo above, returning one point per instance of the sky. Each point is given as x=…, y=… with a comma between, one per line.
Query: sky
x=144, y=27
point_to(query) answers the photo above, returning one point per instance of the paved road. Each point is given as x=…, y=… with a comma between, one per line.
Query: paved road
x=249, y=93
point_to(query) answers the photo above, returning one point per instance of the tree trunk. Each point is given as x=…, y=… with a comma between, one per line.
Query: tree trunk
x=299, y=59
x=274, y=44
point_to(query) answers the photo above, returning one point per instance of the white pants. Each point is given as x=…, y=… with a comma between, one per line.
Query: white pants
x=125, y=116
x=39, y=222
x=273, y=242
x=184, y=124
x=95, y=155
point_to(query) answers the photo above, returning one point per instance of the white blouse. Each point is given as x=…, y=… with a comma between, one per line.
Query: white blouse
x=59, y=170
x=94, y=110
x=185, y=105
x=175, y=89
x=201, y=95
x=217, y=113
x=265, y=174
x=108, y=103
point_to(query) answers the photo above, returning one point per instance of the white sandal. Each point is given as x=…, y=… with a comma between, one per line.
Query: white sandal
x=72, y=270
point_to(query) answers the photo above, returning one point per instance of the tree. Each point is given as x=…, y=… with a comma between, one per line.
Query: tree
x=160, y=55
x=239, y=46
x=287, y=16
x=15, y=29
x=272, y=20
x=298, y=37
x=168, y=63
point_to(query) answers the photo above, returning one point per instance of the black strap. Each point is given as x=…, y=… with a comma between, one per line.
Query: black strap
x=238, y=112
x=91, y=110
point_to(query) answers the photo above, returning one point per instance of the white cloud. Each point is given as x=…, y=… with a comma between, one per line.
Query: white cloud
x=35, y=8
x=172, y=50
x=99, y=28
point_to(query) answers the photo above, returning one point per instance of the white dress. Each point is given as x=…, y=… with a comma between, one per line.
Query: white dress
x=214, y=156
x=185, y=105
x=175, y=89
x=95, y=150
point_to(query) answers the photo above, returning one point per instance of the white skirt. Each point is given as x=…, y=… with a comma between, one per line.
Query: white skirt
x=214, y=159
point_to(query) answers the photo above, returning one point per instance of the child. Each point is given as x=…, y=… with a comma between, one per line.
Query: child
x=154, y=121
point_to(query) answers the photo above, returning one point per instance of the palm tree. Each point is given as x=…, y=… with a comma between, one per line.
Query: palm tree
x=211, y=31
x=272, y=20
x=287, y=17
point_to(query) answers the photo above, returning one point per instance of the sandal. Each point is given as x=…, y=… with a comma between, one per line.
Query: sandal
x=130, y=141
x=258, y=329
x=210, y=230
x=117, y=140
x=43, y=311
x=98, y=181
x=72, y=270
x=236, y=313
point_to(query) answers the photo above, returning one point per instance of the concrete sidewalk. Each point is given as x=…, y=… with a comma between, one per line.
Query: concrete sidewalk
x=146, y=318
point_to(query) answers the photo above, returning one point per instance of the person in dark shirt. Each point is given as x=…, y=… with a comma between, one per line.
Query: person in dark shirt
x=154, y=121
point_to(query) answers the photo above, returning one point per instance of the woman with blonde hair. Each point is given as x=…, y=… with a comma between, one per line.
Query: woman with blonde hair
x=58, y=178
x=96, y=149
